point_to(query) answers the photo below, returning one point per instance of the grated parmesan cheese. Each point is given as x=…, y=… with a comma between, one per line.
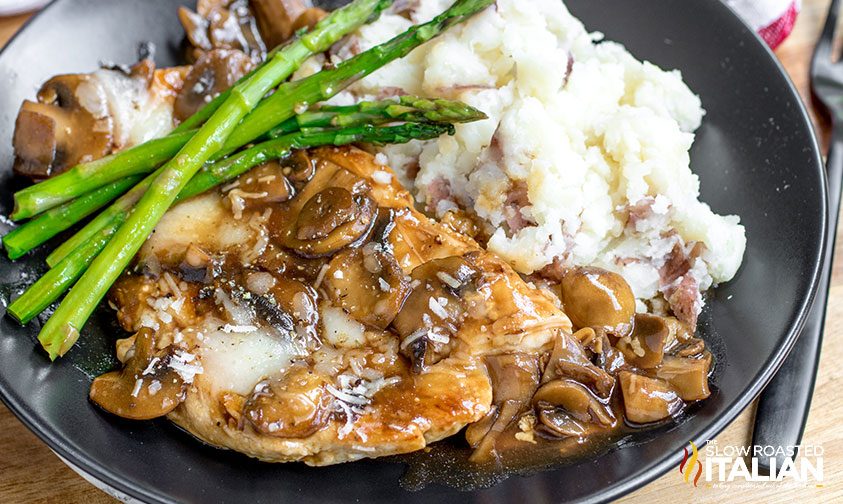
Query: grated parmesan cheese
x=437, y=308
x=242, y=329
x=448, y=280
x=381, y=177
x=138, y=385
x=186, y=365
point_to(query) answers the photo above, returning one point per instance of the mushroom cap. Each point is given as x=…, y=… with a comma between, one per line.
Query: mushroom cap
x=69, y=124
x=214, y=72
x=594, y=297
x=147, y=387
x=646, y=399
x=368, y=283
x=289, y=407
x=325, y=218
x=434, y=309
x=646, y=345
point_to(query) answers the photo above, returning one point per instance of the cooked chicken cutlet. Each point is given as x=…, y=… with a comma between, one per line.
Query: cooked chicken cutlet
x=308, y=312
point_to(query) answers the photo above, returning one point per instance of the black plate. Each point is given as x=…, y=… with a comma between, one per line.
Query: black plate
x=756, y=155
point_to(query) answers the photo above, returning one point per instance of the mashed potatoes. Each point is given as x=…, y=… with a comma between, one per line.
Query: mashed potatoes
x=583, y=160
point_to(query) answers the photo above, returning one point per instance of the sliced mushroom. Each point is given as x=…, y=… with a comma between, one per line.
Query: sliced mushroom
x=688, y=376
x=211, y=74
x=475, y=432
x=559, y=423
x=498, y=420
x=69, y=124
x=645, y=347
x=204, y=7
x=575, y=399
x=690, y=348
x=434, y=310
x=235, y=27
x=147, y=387
x=196, y=28
x=276, y=18
x=647, y=399
x=679, y=331
x=514, y=379
x=289, y=306
x=293, y=406
x=593, y=297
x=384, y=224
x=604, y=355
x=325, y=212
x=514, y=376
x=368, y=283
x=222, y=25
x=299, y=168
x=568, y=359
x=198, y=265
x=331, y=220
x=261, y=186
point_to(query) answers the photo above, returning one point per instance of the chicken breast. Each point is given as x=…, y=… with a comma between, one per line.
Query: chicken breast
x=311, y=313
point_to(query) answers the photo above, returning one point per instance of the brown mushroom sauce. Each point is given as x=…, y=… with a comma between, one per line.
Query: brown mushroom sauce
x=619, y=371
x=328, y=242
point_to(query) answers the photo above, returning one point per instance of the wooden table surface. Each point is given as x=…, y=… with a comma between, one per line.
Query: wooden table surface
x=29, y=472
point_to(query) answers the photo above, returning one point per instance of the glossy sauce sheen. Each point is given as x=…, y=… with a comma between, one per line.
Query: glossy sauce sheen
x=327, y=320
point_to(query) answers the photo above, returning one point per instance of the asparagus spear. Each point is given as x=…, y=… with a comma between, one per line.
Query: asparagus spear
x=269, y=113
x=66, y=271
x=55, y=220
x=103, y=220
x=323, y=85
x=399, y=109
x=62, y=329
x=143, y=158
x=84, y=178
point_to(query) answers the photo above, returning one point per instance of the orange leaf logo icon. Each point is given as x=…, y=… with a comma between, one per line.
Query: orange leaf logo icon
x=689, y=463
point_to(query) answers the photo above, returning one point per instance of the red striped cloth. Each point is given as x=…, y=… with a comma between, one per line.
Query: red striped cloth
x=772, y=19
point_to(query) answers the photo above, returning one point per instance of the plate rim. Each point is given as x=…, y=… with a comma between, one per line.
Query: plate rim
x=82, y=461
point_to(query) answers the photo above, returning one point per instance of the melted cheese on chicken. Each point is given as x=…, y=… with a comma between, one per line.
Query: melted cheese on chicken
x=298, y=360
